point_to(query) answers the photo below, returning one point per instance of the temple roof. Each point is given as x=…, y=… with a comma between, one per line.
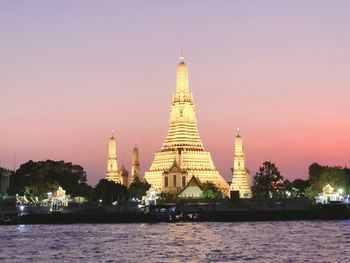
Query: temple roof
x=194, y=182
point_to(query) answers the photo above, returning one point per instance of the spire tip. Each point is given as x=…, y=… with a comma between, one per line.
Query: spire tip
x=182, y=57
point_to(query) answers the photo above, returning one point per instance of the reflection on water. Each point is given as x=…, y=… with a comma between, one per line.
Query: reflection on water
x=304, y=241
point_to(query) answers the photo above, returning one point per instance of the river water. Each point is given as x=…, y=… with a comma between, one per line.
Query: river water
x=291, y=241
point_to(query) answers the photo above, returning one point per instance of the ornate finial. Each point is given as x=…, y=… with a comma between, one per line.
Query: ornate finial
x=182, y=56
x=112, y=133
x=135, y=142
x=237, y=131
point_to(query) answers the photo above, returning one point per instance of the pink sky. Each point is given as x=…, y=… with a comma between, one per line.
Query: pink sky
x=70, y=72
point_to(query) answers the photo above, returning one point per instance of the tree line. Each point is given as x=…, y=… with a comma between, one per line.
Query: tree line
x=35, y=179
x=269, y=183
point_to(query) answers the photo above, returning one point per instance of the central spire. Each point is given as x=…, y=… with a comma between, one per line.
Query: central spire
x=182, y=92
x=182, y=155
x=183, y=130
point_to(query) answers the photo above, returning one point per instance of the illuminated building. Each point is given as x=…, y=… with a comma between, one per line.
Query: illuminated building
x=57, y=200
x=193, y=190
x=135, y=165
x=150, y=198
x=112, y=163
x=329, y=195
x=240, y=174
x=182, y=155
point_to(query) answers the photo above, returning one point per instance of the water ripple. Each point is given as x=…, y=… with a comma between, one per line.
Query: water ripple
x=300, y=241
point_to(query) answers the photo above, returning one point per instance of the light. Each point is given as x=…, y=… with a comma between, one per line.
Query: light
x=340, y=191
x=21, y=207
x=22, y=228
x=347, y=199
x=100, y=200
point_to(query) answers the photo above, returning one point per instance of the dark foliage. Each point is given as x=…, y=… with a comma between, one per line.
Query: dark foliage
x=137, y=189
x=320, y=176
x=109, y=192
x=210, y=191
x=38, y=178
x=264, y=180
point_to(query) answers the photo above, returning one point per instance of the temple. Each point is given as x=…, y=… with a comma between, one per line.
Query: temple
x=240, y=174
x=182, y=155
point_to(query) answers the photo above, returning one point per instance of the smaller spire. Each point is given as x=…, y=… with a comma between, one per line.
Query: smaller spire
x=135, y=144
x=112, y=134
x=238, y=132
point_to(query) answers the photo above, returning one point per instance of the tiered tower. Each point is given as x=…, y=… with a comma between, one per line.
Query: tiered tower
x=240, y=173
x=183, y=142
x=135, y=166
x=112, y=164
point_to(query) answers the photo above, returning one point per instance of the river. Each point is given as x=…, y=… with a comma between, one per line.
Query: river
x=289, y=241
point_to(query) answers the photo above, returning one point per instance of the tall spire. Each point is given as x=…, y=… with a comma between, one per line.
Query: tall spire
x=182, y=92
x=239, y=150
x=183, y=144
x=112, y=164
x=135, y=166
x=183, y=123
x=112, y=149
x=240, y=174
x=135, y=155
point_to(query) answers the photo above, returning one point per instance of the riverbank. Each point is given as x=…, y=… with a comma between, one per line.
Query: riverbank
x=161, y=214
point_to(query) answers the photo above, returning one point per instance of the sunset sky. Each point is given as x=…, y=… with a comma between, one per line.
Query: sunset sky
x=72, y=71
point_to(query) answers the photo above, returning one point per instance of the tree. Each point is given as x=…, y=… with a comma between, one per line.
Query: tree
x=210, y=191
x=266, y=180
x=334, y=176
x=287, y=184
x=109, y=192
x=299, y=186
x=84, y=190
x=1, y=171
x=315, y=170
x=39, y=178
x=347, y=172
x=137, y=189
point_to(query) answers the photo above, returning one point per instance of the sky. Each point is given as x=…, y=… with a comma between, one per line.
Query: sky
x=72, y=71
